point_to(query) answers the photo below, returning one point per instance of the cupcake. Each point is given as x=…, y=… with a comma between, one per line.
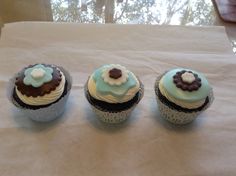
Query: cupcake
x=182, y=94
x=40, y=91
x=113, y=92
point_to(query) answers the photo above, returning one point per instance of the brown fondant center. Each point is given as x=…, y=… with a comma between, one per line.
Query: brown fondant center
x=46, y=88
x=186, y=86
x=115, y=73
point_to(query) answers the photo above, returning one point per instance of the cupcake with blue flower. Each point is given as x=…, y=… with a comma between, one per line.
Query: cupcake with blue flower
x=41, y=91
x=113, y=92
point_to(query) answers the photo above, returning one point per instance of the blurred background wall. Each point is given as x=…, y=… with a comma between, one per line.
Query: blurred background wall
x=25, y=10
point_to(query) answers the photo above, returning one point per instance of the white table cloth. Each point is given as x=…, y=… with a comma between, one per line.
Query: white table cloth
x=78, y=144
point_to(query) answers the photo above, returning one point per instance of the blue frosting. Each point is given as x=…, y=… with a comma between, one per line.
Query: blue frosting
x=187, y=96
x=117, y=91
x=29, y=80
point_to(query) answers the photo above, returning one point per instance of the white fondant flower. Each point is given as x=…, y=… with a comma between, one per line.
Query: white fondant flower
x=188, y=77
x=111, y=81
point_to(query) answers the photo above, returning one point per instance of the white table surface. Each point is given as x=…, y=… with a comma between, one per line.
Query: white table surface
x=78, y=144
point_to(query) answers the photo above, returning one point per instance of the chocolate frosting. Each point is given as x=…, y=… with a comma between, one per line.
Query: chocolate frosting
x=185, y=86
x=46, y=88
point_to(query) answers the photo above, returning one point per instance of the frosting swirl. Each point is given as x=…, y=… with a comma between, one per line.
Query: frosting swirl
x=113, y=90
x=189, y=105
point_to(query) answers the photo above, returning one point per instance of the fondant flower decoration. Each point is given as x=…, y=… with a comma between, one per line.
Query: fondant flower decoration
x=188, y=77
x=187, y=80
x=37, y=75
x=115, y=74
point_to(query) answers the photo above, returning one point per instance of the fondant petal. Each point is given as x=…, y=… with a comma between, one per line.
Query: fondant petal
x=49, y=70
x=27, y=80
x=37, y=83
x=28, y=71
x=47, y=78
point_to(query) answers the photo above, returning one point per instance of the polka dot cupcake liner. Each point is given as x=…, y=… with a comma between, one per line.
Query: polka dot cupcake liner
x=44, y=114
x=114, y=117
x=175, y=116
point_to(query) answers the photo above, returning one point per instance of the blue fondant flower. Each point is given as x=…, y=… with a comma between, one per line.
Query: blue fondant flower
x=37, y=75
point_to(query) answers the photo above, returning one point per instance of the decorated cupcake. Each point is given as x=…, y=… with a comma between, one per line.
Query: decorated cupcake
x=113, y=92
x=182, y=94
x=40, y=91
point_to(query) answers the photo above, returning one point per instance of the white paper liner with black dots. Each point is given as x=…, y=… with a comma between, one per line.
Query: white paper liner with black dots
x=175, y=116
x=45, y=114
x=115, y=117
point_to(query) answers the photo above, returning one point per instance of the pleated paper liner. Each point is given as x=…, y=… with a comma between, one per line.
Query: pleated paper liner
x=44, y=114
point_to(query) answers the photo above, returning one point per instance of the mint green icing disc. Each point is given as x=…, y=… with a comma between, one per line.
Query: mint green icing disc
x=37, y=75
x=117, y=91
x=187, y=96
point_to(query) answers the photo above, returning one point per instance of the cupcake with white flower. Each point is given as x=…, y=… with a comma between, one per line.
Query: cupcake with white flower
x=113, y=92
x=40, y=91
x=182, y=94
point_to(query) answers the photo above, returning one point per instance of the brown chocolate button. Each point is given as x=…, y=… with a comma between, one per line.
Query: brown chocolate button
x=115, y=73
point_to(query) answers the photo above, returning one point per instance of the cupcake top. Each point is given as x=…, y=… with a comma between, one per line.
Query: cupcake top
x=185, y=85
x=39, y=84
x=113, y=83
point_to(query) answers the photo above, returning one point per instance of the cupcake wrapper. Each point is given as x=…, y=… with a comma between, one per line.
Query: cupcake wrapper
x=175, y=116
x=114, y=117
x=48, y=113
